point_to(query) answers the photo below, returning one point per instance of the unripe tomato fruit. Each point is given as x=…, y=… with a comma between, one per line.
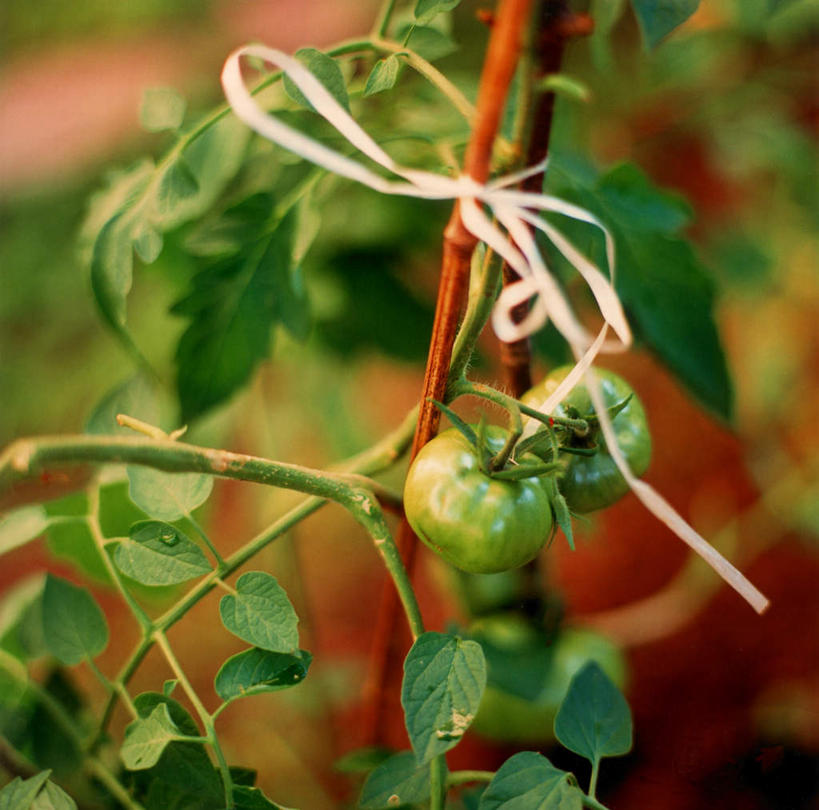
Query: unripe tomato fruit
x=594, y=482
x=507, y=717
x=477, y=523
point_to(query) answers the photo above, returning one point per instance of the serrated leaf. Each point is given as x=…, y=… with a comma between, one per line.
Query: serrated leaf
x=19, y=793
x=427, y=10
x=326, y=70
x=53, y=797
x=261, y=613
x=383, y=76
x=444, y=678
x=398, y=781
x=528, y=781
x=428, y=42
x=167, y=496
x=658, y=18
x=146, y=739
x=254, y=671
x=232, y=305
x=157, y=553
x=594, y=719
x=22, y=525
x=162, y=108
x=74, y=627
x=178, y=184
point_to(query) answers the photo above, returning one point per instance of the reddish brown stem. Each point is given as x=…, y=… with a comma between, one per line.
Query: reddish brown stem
x=557, y=23
x=499, y=68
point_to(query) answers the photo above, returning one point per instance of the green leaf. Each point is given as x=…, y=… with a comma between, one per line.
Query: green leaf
x=326, y=70
x=162, y=108
x=427, y=10
x=148, y=242
x=397, y=781
x=232, y=305
x=178, y=184
x=528, y=781
x=167, y=496
x=383, y=76
x=146, y=739
x=53, y=797
x=254, y=671
x=430, y=43
x=157, y=553
x=261, y=613
x=112, y=264
x=594, y=719
x=135, y=396
x=21, y=618
x=362, y=760
x=657, y=18
x=19, y=794
x=22, y=525
x=252, y=798
x=74, y=627
x=444, y=678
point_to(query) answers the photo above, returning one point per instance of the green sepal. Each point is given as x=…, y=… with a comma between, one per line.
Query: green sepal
x=458, y=423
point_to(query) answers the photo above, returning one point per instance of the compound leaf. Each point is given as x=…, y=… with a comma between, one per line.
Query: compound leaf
x=157, y=553
x=594, y=719
x=74, y=627
x=261, y=614
x=397, y=781
x=528, y=780
x=444, y=678
x=254, y=671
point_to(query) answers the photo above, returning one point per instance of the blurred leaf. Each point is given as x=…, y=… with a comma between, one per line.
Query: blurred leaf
x=51, y=745
x=565, y=85
x=398, y=781
x=146, y=739
x=251, y=798
x=657, y=18
x=383, y=76
x=254, y=671
x=426, y=10
x=326, y=70
x=444, y=678
x=594, y=719
x=19, y=793
x=168, y=496
x=178, y=183
x=362, y=760
x=53, y=797
x=232, y=305
x=606, y=13
x=112, y=269
x=21, y=622
x=157, y=553
x=73, y=624
x=22, y=525
x=162, y=108
x=261, y=614
x=528, y=780
x=135, y=397
x=431, y=43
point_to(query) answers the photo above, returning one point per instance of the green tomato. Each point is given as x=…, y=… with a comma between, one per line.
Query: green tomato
x=519, y=651
x=594, y=482
x=477, y=523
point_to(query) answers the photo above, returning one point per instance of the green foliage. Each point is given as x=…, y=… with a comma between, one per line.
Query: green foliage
x=594, y=719
x=167, y=496
x=22, y=525
x=427, y=10
x=158, y=553
x=261, y=614
x=146, y=739
x=74, y=626
x=36, y=793
x=326, y=70
x=444, y=677
x=162, y=108
x=528, y=780
x=659, y=18
x=254, y=671
x=383, y=76
x=397, y=781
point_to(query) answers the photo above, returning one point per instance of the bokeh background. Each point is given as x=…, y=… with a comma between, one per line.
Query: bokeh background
x=726, y=113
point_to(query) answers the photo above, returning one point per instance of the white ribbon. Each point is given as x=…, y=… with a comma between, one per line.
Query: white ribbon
x=515, y=211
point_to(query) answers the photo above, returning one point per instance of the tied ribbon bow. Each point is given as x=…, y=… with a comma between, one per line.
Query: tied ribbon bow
x=515, y=211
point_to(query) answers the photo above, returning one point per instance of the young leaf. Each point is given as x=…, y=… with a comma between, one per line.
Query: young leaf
x=19, y=794
x=657, y=18
x=146, y=739
x=261, y=613
x=112, y=263
x=594, y=719
x=232, y=305
x=254, y=671
x=53, y=797
x=326, y=70
x=444, y=678
x=158, y=553
x=167, y=496
x=162, y=108
x=395, y=782
x=148, y=242
x=178, y=184
x=427, y=10
x=428, y=42
x=528, y=780
x=383, y=76
x=22, y=525
x=74, y=627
